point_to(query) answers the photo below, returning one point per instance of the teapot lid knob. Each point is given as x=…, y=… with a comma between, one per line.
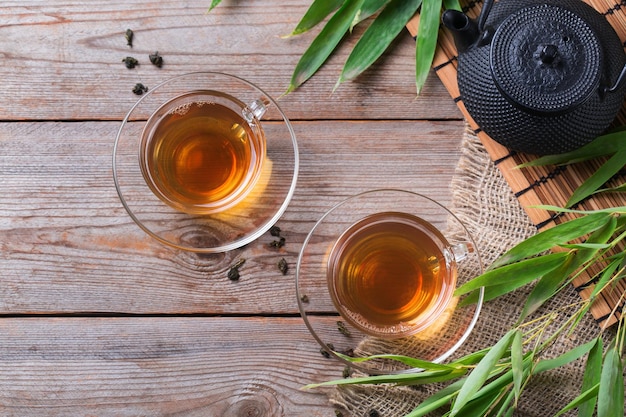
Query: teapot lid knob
x=546, y=59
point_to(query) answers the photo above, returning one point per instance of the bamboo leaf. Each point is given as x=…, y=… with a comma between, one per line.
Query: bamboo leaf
x=612, y=209
x=324, y=43
x=479, y=375
x=564, y=359
x=607, y=274
x=479, y=406
x=591, y=380
x=471, y=358
x=417, y=378
x=505, y=378
x=586, y=245
x=601, y=146
x=618, y=189
x=510, y=277
x=581, y=400
x=318, y=11
x=546, y=240
x=598, y=178
x=611, y=390
x=214, y=4
x=378, y=36
x=517, y=364
x=368, y=9
x=452, y=4
x=437, y=400
x=423, y=409
x=549, y=284
x=413, y=362
x=505, y=410
x=426, y=40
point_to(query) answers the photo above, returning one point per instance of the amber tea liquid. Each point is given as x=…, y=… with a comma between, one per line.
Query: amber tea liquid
x=199, y=153
x=391, y=274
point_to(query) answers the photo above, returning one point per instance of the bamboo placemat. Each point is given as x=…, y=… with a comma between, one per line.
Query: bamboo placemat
x=543, y=185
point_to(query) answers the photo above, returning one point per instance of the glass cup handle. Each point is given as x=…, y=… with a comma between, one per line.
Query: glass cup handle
x=255, y=110
x=460, y=251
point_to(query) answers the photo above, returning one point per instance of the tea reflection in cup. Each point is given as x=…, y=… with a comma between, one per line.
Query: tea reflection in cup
x=392, y=274
x=202, y=152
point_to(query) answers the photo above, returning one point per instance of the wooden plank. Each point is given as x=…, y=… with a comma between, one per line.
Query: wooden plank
x=545, y=185
x=67, y=245
x=65, y=62
x=153, y=366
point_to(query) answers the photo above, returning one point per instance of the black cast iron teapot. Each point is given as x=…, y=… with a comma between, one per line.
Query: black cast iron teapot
x=539, y=76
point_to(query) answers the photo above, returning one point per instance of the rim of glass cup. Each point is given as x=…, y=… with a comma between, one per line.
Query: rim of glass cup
x=261, y=229
x=301, y=306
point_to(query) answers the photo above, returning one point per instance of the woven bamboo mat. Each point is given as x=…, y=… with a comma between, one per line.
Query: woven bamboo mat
x=543, y=185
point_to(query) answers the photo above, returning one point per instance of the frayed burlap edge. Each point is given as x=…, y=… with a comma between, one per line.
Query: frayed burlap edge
x=483, y=200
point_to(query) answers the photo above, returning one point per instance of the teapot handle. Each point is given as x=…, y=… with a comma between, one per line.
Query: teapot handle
x=618, y=82
x=484, y=14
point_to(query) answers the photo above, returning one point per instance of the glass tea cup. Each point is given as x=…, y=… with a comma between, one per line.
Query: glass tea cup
x=202, y=152
x=377, y=274
x=391, y=274
x=205, y=162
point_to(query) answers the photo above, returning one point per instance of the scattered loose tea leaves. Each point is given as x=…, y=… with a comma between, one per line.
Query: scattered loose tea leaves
x=283, y=266
x=139, y=89
x=129, y=37
x=233, y=273
x=341, y=326
x=324, y=351
x=130, y=62
x=156, y=59
x=275, y=231
x=277, y=243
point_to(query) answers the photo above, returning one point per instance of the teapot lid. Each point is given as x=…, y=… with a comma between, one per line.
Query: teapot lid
x=545, y=59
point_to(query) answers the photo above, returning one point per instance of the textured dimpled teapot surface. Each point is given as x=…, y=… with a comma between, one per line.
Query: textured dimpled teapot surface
x=536, y=82
x=546, y=60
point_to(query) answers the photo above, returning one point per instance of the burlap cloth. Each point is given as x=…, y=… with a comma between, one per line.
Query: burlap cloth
x=483, y=200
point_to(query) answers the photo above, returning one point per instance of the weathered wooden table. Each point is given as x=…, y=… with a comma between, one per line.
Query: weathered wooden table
x=99, y=319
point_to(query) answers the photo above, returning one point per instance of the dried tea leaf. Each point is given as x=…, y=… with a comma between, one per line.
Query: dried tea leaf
x=156, y=59
x=130, y=62
x=139, y=89
x=129, y=34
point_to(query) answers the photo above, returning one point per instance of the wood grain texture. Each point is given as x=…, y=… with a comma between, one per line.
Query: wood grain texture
x=159, y=366
x=69, y=246
x=63, y=59
x=97, y=318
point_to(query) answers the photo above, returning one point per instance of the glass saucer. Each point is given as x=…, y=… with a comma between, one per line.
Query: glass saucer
x=216, y=232
x=335, y=334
